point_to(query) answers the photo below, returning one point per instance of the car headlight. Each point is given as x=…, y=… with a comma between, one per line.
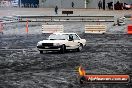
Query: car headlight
x=39, y=44
x=56, y=44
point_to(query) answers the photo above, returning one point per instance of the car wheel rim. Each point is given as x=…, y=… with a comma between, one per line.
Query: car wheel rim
x=80, y=47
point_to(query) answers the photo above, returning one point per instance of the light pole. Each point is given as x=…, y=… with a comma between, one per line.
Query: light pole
x=61, y=4
x=20, y=3
x=113, y=4
x=85, y=2
x=104, y=4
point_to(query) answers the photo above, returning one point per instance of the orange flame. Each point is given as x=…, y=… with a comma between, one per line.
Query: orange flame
x=82, y=72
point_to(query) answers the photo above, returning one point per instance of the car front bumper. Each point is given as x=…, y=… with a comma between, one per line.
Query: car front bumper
x=49, y=48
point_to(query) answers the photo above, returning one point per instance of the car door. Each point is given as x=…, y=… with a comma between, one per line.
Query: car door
x=71, y=44
x=76, y=40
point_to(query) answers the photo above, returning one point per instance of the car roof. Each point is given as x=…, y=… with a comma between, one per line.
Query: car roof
x=64, y=33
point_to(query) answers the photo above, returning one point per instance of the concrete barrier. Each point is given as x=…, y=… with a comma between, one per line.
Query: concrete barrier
x=129, y=29
x=52, y=28
x=95, y=29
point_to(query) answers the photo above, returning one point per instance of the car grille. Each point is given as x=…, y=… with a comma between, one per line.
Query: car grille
x=47, y=44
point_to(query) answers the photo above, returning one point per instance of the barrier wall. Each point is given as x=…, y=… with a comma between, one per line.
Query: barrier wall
x=129, y=29
x=95, y=29
x=52, y=28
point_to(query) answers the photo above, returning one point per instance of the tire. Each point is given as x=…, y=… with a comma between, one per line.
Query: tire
x=103, y=33
x=62, y=50
x=41, y=52
x=79, y=48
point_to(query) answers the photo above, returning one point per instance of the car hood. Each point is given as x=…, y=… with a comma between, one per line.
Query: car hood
x=52, y=41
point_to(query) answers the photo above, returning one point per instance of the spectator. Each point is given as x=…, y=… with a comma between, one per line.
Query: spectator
x=56, y=10
x=72, y=4
x=100, y=4
x=110, y=5
x=117, y=2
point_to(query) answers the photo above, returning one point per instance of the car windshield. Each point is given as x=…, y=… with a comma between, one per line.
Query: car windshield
x=58, y=37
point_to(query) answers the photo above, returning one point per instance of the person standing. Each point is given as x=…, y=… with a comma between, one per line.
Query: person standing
x=100, y=4
x=56, y=10
x=72, y=4
x=103, y=5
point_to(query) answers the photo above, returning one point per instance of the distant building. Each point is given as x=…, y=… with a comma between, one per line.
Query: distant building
x=29, y=3
x=77, y=3
x=5, y=3
x=60, y=3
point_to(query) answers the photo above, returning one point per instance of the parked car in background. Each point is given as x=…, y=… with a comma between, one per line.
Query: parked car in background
x=127, y=6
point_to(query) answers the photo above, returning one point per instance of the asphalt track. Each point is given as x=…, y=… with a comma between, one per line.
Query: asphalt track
x=21, y=65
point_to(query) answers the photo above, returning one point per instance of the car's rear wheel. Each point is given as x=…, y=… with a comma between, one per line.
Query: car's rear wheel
x=62, y=50
x=79, y=48
x=41, y=51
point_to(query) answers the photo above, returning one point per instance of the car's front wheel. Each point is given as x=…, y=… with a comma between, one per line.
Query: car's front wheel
x=41, y=51
x=80, y=48
x=62, y=50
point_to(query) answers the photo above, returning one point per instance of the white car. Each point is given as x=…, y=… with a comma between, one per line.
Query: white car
x=127, y=7
x=61, y=42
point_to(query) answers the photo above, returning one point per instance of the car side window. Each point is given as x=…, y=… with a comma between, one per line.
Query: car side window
x=75, y=37
x=70, y=36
